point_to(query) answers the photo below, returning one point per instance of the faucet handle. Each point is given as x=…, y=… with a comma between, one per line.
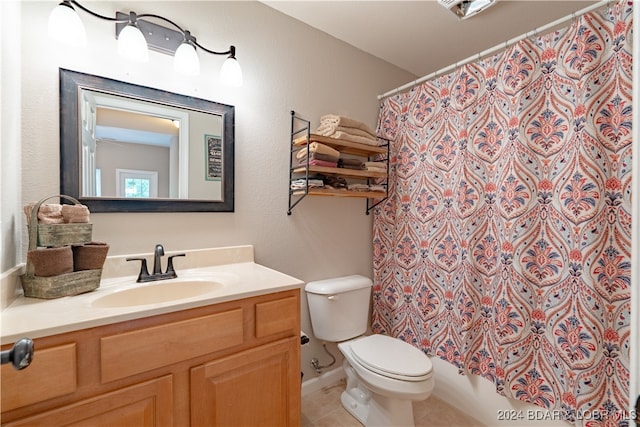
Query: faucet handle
x=170, y=269
x=144, y=272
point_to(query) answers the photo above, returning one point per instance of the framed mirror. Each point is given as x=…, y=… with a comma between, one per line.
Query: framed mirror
x=131, y=148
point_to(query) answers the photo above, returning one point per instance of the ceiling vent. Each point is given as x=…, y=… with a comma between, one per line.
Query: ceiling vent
x=466, y=8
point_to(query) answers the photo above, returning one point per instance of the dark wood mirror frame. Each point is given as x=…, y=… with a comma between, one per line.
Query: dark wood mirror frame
x=71, y=82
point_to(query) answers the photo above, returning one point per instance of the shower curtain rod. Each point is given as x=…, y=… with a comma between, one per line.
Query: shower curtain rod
x=497, y=48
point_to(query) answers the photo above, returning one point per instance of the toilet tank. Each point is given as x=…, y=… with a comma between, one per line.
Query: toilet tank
x=339, y=307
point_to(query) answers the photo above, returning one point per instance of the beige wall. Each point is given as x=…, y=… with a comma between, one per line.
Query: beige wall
x=112, y=155
x=201, y=124
x=287, y=65
x=10, y=81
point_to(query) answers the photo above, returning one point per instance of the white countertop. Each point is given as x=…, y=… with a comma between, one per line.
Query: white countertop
x=233, y=268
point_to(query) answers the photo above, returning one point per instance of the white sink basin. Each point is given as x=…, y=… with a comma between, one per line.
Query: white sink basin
x=157, y=293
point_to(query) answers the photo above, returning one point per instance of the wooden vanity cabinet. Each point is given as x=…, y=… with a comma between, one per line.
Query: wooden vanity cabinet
x=233, y=363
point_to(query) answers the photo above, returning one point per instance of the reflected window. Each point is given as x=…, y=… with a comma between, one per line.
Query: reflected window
x=136, y=184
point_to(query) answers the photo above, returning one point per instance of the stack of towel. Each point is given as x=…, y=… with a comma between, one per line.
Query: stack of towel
x=318, y=155
x=336, y=126
x=349, y=163
x=59, y=214
x=319, y=181
x=301, y=184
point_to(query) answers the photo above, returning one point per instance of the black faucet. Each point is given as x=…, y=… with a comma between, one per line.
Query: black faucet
x=157, y=263
x=157, y=274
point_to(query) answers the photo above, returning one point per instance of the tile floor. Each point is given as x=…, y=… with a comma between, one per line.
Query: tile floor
x=323, y=409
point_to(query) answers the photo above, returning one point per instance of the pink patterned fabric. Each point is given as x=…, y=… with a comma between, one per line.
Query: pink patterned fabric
x=504, y=247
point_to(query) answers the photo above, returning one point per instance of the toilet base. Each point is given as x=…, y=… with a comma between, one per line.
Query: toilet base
x=372, y=409
x=355, y=406
x=374, y=413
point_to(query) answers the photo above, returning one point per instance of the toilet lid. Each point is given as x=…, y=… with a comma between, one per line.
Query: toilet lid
x=392, y=357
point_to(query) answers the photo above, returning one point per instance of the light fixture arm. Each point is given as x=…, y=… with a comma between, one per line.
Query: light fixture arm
x=231, y=52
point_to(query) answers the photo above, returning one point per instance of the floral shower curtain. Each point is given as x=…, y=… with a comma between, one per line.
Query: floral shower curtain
x=504, y=246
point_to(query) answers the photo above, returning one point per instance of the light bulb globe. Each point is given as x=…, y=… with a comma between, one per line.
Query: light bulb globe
x=186, y=61
x=65, y=26
x=231, y=73
x=132, y=44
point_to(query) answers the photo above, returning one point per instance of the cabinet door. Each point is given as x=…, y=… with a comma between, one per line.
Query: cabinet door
x=257, y=387
x=141, y=405
x=52, y=373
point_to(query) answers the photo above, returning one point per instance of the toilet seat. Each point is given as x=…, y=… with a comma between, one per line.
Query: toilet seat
x=391, y=358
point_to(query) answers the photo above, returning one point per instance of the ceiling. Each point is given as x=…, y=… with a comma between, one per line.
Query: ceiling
x=421, y=36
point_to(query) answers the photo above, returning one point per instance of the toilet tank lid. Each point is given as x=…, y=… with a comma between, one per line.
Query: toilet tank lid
x=338, y=284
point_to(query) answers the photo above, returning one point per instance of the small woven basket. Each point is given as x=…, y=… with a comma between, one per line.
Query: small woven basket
x=55, y=235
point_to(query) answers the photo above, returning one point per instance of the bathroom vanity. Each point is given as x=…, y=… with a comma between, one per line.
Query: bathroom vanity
x=227, y=356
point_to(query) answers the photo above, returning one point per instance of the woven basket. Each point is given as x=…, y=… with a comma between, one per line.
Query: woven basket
x=63, y=285
x=54, y=235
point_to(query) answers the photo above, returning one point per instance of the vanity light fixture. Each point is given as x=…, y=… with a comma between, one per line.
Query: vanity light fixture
x=136, y=36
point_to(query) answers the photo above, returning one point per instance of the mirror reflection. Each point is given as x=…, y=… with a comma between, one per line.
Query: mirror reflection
x=130, y=148
x=137, y=149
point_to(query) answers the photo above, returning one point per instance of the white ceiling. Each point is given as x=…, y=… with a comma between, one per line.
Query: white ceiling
x=422, y=36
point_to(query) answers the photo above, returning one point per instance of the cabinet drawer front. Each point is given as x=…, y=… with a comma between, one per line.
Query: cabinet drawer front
x=52, y=373
x=277, y=316
x=141, y=405
x=145, y=349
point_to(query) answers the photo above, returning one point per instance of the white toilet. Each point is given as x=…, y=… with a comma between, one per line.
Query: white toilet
x=384, y=374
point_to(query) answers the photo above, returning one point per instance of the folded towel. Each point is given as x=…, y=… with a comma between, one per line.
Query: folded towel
x=335, y=182
x=346, y=122
x=49, y=262
x=374, y=187
x=320, y=156
x=316, y=162
x=330, y=128
x=358, y=187
x=353, y=138
x=382, y=165
x=90, y=256
x=302, y=183
x=75, y=213
x=372, y=169
x=316, y=147
x=47, y=214
x=348, y=163
x=50, y=214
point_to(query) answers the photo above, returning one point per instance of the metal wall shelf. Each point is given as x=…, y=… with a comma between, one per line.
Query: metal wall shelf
x=301, y=136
